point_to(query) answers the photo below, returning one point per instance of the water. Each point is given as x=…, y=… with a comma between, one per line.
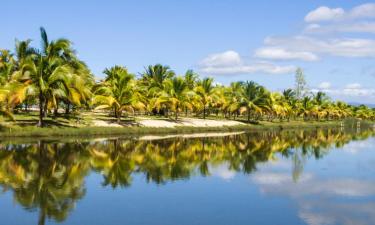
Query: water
x=290, y=177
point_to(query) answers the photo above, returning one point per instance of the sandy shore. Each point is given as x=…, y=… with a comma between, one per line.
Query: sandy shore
x=166, y=123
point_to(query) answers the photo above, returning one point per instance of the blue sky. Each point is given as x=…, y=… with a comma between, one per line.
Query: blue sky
x=333, y=41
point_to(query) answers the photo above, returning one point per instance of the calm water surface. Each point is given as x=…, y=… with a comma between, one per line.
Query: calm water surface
x=290, y=177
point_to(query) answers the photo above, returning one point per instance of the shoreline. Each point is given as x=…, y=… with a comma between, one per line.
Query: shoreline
x=92, y=131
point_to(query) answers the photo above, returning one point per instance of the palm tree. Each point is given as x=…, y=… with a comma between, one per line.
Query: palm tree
x=254, y=98
x=177, y=94
x=48, y=70
x=206, y=93
x=7, y=66
x=234, y=95
x=290, y=98
x=191, y=79
x=307, y=108
x=155, y=75
x=118, y=92
x=153, y=80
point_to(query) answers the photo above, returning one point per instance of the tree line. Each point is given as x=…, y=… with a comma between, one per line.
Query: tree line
x=53, y=78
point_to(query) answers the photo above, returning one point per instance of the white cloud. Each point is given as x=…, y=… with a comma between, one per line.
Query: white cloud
x=276, y=53
x=358, y=27
x=355, y=20
x=324, y=13
x=347, y=47
x=363, y=11
x=350, y=90
x=353, y=86
x=230, y=62
x=227, y=58
x=325, y=85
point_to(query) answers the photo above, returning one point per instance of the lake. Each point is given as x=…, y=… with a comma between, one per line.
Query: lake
x=312, y=177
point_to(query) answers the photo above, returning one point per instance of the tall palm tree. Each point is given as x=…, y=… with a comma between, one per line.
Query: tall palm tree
x=48, y=70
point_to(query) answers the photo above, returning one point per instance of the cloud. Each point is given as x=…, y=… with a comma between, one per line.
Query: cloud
x=230, y=62
x=328, y=20
x=359, y=27
x=276, y=53
x=353, y=86
x=363, y=11
x=346, y=47
x=349, y=90
x=324, y=13
x=227, y=58
x=324, y=85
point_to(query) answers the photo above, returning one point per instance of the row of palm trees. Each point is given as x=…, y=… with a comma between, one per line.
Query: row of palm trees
x=52, y=77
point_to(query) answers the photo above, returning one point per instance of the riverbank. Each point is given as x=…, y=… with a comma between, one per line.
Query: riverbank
x=157, y=128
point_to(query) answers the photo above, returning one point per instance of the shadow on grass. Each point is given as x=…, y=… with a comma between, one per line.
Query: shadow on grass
x=123, y=122
x=253, y=122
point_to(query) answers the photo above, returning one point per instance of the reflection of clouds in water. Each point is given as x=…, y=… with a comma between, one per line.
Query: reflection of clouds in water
x=223, y=172
x=269, y=178
x=316, y=197
x=355, y=147
x=319, y=213
x=309, y=185
x=278, y=162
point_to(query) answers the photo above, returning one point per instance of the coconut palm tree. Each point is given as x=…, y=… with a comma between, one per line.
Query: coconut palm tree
x=177, y=95
x=155, y=75
x=206, y=93
x=48, y=70
x=307, y=108
x=7, y=66
x=118, y=92
x=254, y=98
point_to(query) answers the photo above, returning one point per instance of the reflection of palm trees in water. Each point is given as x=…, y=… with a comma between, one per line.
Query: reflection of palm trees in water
x=46, y=176
x=50, y=176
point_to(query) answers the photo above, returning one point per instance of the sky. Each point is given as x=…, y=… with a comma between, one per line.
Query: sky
x=333, y=41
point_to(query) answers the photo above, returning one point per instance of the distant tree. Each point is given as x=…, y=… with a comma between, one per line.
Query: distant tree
x=301, y=86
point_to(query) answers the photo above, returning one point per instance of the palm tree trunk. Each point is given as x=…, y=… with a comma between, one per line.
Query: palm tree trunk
x=26, y=105
x=56, y=110
x=248, y=114
x=40, y=123
x=67, y=109
x=204, y=112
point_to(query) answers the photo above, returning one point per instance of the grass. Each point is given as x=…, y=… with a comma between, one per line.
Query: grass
x=80, y=125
